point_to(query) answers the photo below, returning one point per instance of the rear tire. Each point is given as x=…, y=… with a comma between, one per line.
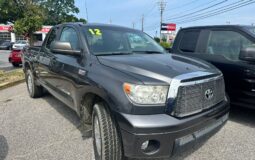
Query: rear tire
x=106, y=139
x=15, y=64
x=34, y=90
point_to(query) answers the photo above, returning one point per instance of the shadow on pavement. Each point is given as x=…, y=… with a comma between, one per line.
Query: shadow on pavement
x=242, y=115
x=69, y=114
x=4, y=148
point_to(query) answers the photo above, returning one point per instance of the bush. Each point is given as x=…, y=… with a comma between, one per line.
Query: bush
x=165, y=44
x=157, y=39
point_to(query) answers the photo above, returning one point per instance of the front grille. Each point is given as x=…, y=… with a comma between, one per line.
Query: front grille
x=193, y=99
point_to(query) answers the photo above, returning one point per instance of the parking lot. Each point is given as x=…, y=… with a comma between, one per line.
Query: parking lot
x=46, y=129
x=4, y=63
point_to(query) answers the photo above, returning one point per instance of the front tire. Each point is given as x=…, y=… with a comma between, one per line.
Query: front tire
x=34, y=90
x=106, y=139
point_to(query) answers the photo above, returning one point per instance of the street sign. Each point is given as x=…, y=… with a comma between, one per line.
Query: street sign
x=168, y=27
x=5, y=28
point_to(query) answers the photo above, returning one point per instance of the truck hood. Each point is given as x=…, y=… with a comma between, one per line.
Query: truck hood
x=156, y=67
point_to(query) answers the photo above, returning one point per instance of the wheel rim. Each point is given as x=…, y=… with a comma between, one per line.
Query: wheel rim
x=29, y=83
x=97, y=135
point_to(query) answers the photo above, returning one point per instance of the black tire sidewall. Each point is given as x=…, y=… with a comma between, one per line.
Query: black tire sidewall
x=15, y=64
x=29, y=73
x=95, y=113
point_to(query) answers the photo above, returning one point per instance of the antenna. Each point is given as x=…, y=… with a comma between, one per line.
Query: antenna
x=86, y=10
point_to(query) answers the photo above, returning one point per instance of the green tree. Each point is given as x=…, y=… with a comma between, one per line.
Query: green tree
x=59, y=11
x=72, y=18
x=31, y=21
x=55, y=11
x=9, y=11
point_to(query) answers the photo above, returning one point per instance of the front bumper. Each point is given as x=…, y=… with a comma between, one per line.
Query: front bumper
x=171, y=134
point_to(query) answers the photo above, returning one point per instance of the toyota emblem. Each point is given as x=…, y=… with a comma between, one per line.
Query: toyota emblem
x=209, y=94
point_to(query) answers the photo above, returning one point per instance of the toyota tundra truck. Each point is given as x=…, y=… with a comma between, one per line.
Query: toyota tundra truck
x=141, y=102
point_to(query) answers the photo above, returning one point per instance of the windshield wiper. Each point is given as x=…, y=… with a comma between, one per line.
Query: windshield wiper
x=113, y=53
x=149, y=52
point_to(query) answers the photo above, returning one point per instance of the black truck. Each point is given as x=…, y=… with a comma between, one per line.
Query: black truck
x=141, y=101
x=231, y=48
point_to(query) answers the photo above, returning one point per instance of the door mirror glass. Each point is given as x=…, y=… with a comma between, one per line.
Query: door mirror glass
x=248, y=54
x=63, y=48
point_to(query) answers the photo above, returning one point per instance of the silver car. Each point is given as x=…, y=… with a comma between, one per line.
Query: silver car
x=19, y=45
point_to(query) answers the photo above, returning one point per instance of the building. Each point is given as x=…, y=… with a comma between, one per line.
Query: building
x=7, y=34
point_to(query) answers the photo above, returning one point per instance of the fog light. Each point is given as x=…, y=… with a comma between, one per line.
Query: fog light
x=150, y=147
x=145, y=145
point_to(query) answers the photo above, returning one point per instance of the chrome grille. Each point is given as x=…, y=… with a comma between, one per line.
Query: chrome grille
x=192, y=98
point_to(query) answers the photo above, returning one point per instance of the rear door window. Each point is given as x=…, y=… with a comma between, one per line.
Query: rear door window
x=189, y=41
x=227, y=44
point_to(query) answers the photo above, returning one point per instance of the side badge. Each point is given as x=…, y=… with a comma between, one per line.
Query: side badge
x=82, y=72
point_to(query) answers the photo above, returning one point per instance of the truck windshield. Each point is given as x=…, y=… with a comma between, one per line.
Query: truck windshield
x=114, y=40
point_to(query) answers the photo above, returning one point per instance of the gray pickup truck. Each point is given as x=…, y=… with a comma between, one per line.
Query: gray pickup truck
x=141, y=101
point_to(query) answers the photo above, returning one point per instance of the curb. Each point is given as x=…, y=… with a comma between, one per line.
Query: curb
x=10, y=84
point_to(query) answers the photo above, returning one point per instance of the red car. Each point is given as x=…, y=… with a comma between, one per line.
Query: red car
x=15, y=58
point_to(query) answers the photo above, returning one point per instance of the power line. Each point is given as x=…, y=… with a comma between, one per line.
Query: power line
x=217, y=9
x=150, y=11
x=146, y=13
x=206, y=8
x=155, y=24
x=182, y=6
x=193, y=8
x=216, y=13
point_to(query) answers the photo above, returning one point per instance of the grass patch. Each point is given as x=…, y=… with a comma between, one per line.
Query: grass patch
x=11, y=76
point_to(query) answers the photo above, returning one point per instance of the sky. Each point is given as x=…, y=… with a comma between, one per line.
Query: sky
x=183, y=12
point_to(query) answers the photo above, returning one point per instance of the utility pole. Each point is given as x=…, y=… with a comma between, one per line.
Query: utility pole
x=133, y=24
x=162, y=6
x=142, y=22
x=86, y=11
x=110, y=21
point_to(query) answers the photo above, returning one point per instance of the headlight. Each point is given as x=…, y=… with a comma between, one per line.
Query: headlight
x=145, y=94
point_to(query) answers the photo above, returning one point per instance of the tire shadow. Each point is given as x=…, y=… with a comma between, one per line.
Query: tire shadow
x=242, y=115
x=69, y=114
x=4, y=148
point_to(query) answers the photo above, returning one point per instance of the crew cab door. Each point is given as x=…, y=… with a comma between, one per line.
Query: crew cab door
x=65, y=71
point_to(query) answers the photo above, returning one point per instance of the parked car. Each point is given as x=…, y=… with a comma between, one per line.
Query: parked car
x=15, y=57
x=6, y=45
x=20, y=44
x=141, y=101
x=231, y=48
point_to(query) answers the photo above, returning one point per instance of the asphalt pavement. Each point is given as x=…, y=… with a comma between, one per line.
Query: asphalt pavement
x=4, y=62
x=45, y=128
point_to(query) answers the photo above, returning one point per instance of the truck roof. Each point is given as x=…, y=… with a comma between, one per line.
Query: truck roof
x=218, y=26
x=95, y=25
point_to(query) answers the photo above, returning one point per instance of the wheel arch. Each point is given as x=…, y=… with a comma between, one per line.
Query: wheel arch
x=89, y=99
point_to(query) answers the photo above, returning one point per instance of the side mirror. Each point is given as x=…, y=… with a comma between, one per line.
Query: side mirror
x=63, y=48
x=247, y=54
